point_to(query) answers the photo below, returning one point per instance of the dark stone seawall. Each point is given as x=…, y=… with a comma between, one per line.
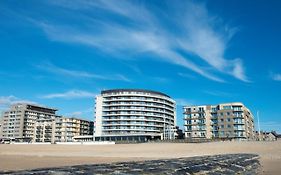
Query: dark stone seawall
x=218, y=164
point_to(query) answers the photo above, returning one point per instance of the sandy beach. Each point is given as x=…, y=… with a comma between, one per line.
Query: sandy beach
x=22, y=157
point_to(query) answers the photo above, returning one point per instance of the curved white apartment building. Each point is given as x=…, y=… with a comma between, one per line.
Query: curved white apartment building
x=134, y=115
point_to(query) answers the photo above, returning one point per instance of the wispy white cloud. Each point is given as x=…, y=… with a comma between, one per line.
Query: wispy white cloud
x=70, y=95
x=142, y=31
x=6, y=101
x=81, y=113
x=185, y=75
x=135, y=68
x=160, y=79
x=79, y=74
x=219, y=93
x=276, y=77
x=238, y=70
x=209, y=42
x=183, y=102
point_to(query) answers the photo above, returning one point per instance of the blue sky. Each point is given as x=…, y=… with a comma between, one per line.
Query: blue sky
x=61, y=53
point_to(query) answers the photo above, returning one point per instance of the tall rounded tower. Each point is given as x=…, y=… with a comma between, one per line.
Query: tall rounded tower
x=134, y=114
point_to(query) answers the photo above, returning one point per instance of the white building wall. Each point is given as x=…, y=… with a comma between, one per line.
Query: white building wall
x=133, y=113
x=98, y=115
x=1, y=126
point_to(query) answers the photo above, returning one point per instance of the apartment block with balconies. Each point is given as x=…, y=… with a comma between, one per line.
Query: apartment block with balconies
x=134, y=114
x=68, y=128
x=44, y=130
x=19, y=122
x=34, y=123
x=223, y=121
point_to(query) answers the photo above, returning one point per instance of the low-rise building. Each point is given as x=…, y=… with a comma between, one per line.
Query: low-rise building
x=266, y=136
x=68, y=128
x=222, y=121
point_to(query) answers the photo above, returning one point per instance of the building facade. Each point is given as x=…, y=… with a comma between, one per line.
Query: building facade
x=44, y=130
x=266, y=136
x=222, y=121
x=68, y=128
x=134, y=115
x=33, y=123
x=19, y=122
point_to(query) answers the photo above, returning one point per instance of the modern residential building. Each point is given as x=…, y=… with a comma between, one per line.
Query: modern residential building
x=34, y=123
x=68, y=128
x=266, y=136
x=222, y=121
x=44, y=130
x=19, y=122
x=134, y=115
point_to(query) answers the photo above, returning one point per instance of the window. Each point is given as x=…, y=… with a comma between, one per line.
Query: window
x=237, y=108
x=229, y=119
x=214, y=115
x=226, y=107
x=201, y=122
x=222, y=120
x=221, y=113
x=228, y=126
x=228, y=113
x=214, y=121
x=222, y=126
x=201, y=115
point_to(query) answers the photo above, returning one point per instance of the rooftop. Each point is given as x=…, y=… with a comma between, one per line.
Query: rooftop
x=133, y=90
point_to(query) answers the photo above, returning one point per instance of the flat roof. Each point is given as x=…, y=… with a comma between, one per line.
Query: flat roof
x=41, y=107
x=230, y=103
x=133, y=90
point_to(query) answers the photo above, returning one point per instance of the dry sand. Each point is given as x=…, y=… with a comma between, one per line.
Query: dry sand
x=19, y=157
